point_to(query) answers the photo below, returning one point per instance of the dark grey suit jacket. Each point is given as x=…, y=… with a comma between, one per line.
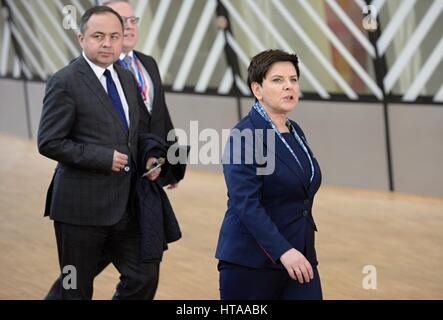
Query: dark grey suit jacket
x=160, y=120
x=80, y=129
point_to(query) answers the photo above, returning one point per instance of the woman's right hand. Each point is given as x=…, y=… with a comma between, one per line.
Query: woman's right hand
x=297, y=265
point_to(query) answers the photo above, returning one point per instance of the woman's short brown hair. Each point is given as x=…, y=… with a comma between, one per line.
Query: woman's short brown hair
x=262, y=62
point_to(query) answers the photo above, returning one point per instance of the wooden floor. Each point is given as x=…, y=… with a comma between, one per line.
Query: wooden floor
x=401, y=235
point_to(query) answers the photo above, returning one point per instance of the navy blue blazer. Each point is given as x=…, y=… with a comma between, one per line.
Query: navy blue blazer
x=267, y=214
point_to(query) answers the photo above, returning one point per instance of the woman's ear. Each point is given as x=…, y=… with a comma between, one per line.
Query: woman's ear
x=256, y=89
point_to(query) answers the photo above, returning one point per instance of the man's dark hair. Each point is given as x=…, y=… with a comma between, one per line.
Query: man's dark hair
x=97, y=10
x=262, y=62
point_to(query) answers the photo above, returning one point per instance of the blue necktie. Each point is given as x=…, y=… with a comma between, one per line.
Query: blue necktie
x=115, y=98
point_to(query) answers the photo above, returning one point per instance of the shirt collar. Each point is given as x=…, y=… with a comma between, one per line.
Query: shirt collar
x=98, y=71
x=130, y=53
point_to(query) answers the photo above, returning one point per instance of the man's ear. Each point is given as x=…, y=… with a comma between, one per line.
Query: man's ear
x=256, y=89
x=80, y=39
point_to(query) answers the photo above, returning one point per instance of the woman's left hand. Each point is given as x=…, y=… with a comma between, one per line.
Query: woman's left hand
x=297, y=265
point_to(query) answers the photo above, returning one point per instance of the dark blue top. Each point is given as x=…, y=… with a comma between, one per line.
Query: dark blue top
x=301, y=155
x=270, y=214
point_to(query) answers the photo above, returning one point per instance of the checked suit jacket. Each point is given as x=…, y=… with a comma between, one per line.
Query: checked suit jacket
x=80, y=129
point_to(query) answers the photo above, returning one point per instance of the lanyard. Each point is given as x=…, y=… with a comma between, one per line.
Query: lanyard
x=259, y=108
x=140, y=79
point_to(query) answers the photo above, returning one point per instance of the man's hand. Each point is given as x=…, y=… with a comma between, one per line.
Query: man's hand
x=297, y=265
x=154, y=174
x=119, y=161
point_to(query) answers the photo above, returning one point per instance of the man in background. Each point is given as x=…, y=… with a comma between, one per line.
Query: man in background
x=145, y=71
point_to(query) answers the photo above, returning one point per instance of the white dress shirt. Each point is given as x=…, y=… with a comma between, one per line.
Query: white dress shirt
x=99, y=72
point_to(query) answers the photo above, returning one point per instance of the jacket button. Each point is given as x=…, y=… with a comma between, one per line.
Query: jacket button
x=306, y=201
x=129, y=144
x=127, y=168
x=305, y=213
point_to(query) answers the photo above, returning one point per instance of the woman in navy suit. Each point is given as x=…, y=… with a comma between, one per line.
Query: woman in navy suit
x=266, y=242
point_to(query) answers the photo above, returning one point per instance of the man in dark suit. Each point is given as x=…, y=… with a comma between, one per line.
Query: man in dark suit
x=149, y=85
x=91, y=121
x=146, y=73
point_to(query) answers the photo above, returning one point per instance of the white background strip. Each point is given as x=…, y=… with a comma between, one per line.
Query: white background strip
x=425, y=73
x=155, y=27
x=6, y=41
x=16, y=69
x=205, y=18
x=226, y=83
x=140, y=9
x=58, y=26
x=29, y=32
x=54, y=47
x=27, y=52
x=314, y=49
x=343, y=16
x=284, y=44
x=394, y=23
x=439, y=96
x=343, y=51
x=414, y=42
x=174, y=36
x=211, y=62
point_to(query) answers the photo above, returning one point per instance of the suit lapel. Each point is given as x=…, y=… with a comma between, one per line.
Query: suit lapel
x=97, y=89
x=281, y=152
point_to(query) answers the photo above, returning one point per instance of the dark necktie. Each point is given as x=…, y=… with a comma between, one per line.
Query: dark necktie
x=115, y=98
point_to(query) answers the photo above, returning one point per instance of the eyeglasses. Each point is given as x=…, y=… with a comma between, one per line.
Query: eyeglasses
x=133, y=20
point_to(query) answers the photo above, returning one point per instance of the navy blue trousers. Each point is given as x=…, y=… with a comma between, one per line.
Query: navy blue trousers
x=243, y=283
